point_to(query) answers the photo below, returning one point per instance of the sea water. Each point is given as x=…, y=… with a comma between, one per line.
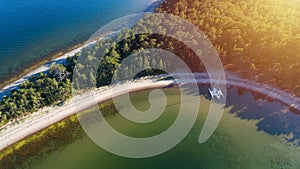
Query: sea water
x=31, y=30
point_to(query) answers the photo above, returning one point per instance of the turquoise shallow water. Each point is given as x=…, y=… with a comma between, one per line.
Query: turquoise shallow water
x=32, y=29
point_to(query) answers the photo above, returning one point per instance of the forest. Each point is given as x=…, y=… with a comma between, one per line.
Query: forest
x=259, y=40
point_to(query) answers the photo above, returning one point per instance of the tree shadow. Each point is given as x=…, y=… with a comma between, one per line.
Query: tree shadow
x=274, y=118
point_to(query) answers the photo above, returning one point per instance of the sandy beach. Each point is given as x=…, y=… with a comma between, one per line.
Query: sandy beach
x=12, y=133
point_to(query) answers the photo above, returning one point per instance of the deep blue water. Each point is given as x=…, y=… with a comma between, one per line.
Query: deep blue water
x=32, y=29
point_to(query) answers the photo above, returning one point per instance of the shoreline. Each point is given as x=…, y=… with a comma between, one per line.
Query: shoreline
x=13, y=81
x=41, y=68
x=9, y=79
x=13, y=133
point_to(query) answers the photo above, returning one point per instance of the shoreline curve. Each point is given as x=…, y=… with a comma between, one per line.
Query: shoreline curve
x=13, y=133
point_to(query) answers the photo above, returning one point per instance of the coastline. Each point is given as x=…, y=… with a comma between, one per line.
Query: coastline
x=41, y=68
x=35, y=65
x=155, y=4
x=12, y=82
x=12, y=133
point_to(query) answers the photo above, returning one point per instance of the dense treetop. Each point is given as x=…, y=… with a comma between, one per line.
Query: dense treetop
x=258, y=39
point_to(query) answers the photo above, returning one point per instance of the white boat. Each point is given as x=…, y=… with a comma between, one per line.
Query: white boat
x=216, y=92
